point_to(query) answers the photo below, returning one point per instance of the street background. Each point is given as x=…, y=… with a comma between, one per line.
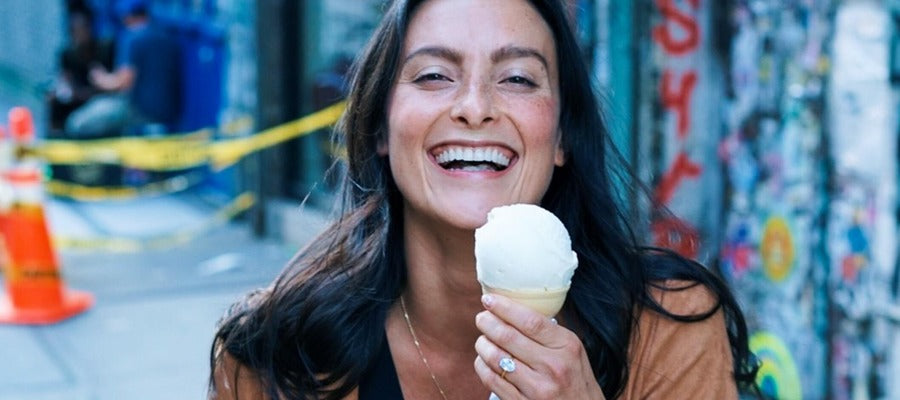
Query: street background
x=768, y=127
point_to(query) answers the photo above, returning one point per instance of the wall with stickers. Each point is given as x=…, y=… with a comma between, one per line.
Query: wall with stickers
x=773, y=156
x=770, y=132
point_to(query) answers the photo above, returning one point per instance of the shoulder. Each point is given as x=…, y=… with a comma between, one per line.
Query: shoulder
x=236, y=351
x=681, y=297
x=232, y=380
x=673, y=358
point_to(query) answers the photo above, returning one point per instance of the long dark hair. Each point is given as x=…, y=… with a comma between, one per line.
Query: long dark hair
x=316, y=331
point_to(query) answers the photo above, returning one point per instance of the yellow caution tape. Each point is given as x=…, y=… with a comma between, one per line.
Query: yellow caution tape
x=170, y=153
x=180, y=237
x=159, y=154
x=228, y=152
x=336, y=151
x=95, y=193
x=237, y=126
x=184, y=151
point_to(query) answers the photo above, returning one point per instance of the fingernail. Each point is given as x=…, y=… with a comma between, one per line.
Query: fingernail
x=487, y=300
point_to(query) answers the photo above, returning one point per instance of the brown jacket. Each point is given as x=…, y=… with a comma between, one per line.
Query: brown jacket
x=676, y=360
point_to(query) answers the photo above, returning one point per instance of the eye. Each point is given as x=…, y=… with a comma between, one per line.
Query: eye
x=431, y=77
x=520, y=80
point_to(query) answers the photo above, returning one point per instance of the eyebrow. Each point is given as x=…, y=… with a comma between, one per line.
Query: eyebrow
x=502, y=54
x=436, y=51
x=512, y=52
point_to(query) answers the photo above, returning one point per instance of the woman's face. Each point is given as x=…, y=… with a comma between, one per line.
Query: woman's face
x=79, y=29
x=474, y=115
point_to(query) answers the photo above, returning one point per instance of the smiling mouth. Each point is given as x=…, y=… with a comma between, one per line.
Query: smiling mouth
x=469, y=159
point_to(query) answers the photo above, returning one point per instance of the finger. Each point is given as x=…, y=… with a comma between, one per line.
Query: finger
x=499, y=386
x=509, y=338
x=531, y=323
x=522, y=376
x=492, y=354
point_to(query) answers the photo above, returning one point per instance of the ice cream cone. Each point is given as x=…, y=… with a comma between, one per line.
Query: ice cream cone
x=524, y=252
x=547, y=302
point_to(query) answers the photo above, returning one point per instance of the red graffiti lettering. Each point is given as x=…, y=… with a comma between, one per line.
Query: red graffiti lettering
x=687, y=22
x=682, y=168
x=679, y=100
x=673, y=233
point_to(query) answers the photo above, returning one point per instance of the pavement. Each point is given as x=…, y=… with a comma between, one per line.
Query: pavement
x=148, y=335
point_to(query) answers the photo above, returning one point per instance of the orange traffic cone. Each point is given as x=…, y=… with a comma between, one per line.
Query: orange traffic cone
x=6, y=150
x=36, y=293
x=21, y=130
x=21, y=124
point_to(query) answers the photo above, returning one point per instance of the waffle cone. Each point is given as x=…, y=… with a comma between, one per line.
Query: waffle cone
x=547, y=302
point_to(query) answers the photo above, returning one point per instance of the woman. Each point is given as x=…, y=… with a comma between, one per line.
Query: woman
x=74, y=87
x=385, y=303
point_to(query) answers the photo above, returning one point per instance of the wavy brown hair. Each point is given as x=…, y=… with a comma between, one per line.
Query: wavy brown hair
x=315, y=332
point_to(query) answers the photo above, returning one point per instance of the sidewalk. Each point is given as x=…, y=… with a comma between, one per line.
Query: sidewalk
x=149, y=333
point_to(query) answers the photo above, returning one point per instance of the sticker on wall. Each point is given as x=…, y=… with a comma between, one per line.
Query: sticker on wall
x=777, y=249
x=777, y=376
x=858, y=257
x=739, y=251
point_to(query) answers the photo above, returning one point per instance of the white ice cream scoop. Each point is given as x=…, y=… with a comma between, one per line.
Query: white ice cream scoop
x=524, y=252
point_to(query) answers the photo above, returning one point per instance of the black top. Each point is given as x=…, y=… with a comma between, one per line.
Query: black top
x=382, y=382
x=77, y=61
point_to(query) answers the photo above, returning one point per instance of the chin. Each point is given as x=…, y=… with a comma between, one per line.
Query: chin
x=459, y=209
x=471, y=215
x=469, y=222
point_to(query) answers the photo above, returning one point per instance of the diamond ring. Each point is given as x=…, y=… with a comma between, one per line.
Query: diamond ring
x=507, y=365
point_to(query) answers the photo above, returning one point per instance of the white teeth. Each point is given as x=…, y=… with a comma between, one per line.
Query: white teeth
x=479, y=154
x=470, y=154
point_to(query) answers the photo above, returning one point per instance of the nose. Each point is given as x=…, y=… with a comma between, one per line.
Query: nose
x=474, y=105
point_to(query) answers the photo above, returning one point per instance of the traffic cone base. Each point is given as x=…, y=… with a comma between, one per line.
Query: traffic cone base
x=35, y=291
x=73, y=302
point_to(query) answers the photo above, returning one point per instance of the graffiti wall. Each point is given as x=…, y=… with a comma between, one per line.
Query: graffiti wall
x=776, y=169
x=862, y=232
x=780, y=171
x=685, y=88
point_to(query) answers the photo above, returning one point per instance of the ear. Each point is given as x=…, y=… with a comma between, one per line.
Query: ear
x=381, y=147
x=559, y=159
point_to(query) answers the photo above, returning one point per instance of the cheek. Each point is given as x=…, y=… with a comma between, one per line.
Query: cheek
x=539, y=119
x=399, y=128
x=407, y=119
x=401, y=137
x=405, y=141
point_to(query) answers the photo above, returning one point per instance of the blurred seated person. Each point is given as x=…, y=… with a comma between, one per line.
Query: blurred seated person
x=145, y=81
x=84, y=51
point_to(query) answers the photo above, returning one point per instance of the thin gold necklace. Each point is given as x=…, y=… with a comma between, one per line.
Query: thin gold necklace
x=419, y=348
